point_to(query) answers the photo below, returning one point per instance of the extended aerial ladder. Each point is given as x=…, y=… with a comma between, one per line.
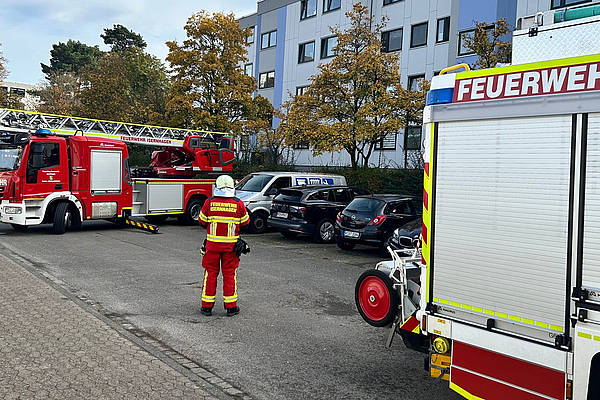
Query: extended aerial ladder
x=186, y=151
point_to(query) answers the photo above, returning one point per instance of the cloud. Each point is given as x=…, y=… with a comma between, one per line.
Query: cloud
x=28, y=28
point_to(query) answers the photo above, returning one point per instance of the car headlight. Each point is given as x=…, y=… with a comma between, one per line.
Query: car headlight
x=12, y=210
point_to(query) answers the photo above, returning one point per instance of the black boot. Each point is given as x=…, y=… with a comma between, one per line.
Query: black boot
x=206, y=311
x=233, y=311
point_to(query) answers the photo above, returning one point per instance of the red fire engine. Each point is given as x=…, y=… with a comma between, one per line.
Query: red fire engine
x=78, y=170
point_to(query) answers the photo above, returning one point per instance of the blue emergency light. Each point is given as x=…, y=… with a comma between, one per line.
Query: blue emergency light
x=440, y=96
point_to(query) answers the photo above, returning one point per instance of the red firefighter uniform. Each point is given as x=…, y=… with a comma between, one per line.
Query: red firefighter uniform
x=222, y=217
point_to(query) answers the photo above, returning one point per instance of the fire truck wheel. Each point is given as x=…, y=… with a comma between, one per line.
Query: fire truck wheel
x=258, y=222
x=75, y=218
x=376, y=299
x=62, y=218
x=192, y=211
x=19, y=228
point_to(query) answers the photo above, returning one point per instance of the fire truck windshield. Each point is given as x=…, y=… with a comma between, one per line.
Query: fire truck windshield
x=10, y=158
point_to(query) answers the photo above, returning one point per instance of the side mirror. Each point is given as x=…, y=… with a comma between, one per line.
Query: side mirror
x=272, y=192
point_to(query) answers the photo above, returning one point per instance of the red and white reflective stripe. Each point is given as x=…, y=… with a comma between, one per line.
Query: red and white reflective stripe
x=477, y=371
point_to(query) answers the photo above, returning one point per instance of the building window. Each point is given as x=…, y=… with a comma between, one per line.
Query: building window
x=413, y=82
x=308, y=8
x=301, y=146
x=300, y=90
x=462, y=49
x=418, y=35
x=306, y=52
x=387, y=143
x=266, y=80
x=564, y=3
x=330, y=5
x=443, y=30
x=386, y=2
x=248, y=70
x=413, y=138
x=268, y=39
x=391, y=40
x=250, y=38
x=17, y=92
x=327, y=45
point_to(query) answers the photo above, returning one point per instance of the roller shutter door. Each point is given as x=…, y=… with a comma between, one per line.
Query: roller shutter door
x=591, y=237
x=501, y=218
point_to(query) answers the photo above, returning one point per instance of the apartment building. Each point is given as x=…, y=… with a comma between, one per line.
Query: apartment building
x=292, y=37
x=22, y=91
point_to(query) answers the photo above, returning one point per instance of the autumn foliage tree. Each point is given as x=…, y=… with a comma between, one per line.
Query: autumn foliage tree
x=209, y=90
x=128, y=85
x=352, y=102
x=7, y=99
x=488, y=43
x=125, y=84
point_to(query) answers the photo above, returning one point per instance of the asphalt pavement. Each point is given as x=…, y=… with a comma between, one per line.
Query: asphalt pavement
x=298, y=336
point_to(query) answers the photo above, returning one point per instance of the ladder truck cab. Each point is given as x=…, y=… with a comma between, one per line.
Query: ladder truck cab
x=46, y=178
x=77, y=169
x=505, y=299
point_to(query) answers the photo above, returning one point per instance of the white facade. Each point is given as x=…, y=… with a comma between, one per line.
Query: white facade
x=282, y=61
x=23, y=92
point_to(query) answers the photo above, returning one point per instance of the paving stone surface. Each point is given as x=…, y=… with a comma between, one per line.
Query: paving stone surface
x=50, y=348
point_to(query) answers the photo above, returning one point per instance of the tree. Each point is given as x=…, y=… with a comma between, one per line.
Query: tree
x=271, y=140
x=352, y=102
x=119, y=38
x=7, y=100
x=60, y=94
x=209, y=90
x=486, y=42
x=72, y=57
x=412, y=103
x=128, y=86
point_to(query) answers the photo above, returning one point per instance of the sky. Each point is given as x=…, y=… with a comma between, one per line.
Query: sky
x=29, y=28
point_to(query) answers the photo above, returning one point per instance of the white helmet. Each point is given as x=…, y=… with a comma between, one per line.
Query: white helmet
x=224, y=186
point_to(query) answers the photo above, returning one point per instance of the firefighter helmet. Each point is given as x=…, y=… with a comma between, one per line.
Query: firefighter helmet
x=224, y=186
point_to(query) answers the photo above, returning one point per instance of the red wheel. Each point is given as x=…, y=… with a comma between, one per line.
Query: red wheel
x=376, y=299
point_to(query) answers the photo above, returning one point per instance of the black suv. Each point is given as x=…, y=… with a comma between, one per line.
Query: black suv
x=371, y=220
x=310, y=210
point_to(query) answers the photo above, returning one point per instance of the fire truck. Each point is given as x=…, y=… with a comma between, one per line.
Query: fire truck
x=504, y=299
x=77, y=169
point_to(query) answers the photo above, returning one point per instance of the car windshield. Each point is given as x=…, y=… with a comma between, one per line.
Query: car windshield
x=254, y=183
x=10, y=158
x=364, y=205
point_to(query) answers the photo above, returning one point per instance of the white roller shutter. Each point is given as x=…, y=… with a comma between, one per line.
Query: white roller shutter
x=501, y=218
x=107, y=171
x=591, y=238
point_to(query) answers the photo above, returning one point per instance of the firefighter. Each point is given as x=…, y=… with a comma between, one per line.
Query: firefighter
x=222, y=215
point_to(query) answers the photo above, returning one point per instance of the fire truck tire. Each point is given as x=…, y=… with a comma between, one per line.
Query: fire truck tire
x=76, y=220
x=258, y=222
x=19, y=228
x=62, y=218
x=375, y=298
x=192, y=211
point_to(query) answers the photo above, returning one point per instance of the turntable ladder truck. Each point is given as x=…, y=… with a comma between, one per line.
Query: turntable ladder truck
x=78, y=169
x=508, y=303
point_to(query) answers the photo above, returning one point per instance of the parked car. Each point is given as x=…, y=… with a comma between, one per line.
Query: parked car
x=406, y=237
x=257, y=191
x=371, y=220
x=311, y=210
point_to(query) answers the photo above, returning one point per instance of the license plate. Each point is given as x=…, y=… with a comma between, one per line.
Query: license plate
x=350, y=234
x=281, y=215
